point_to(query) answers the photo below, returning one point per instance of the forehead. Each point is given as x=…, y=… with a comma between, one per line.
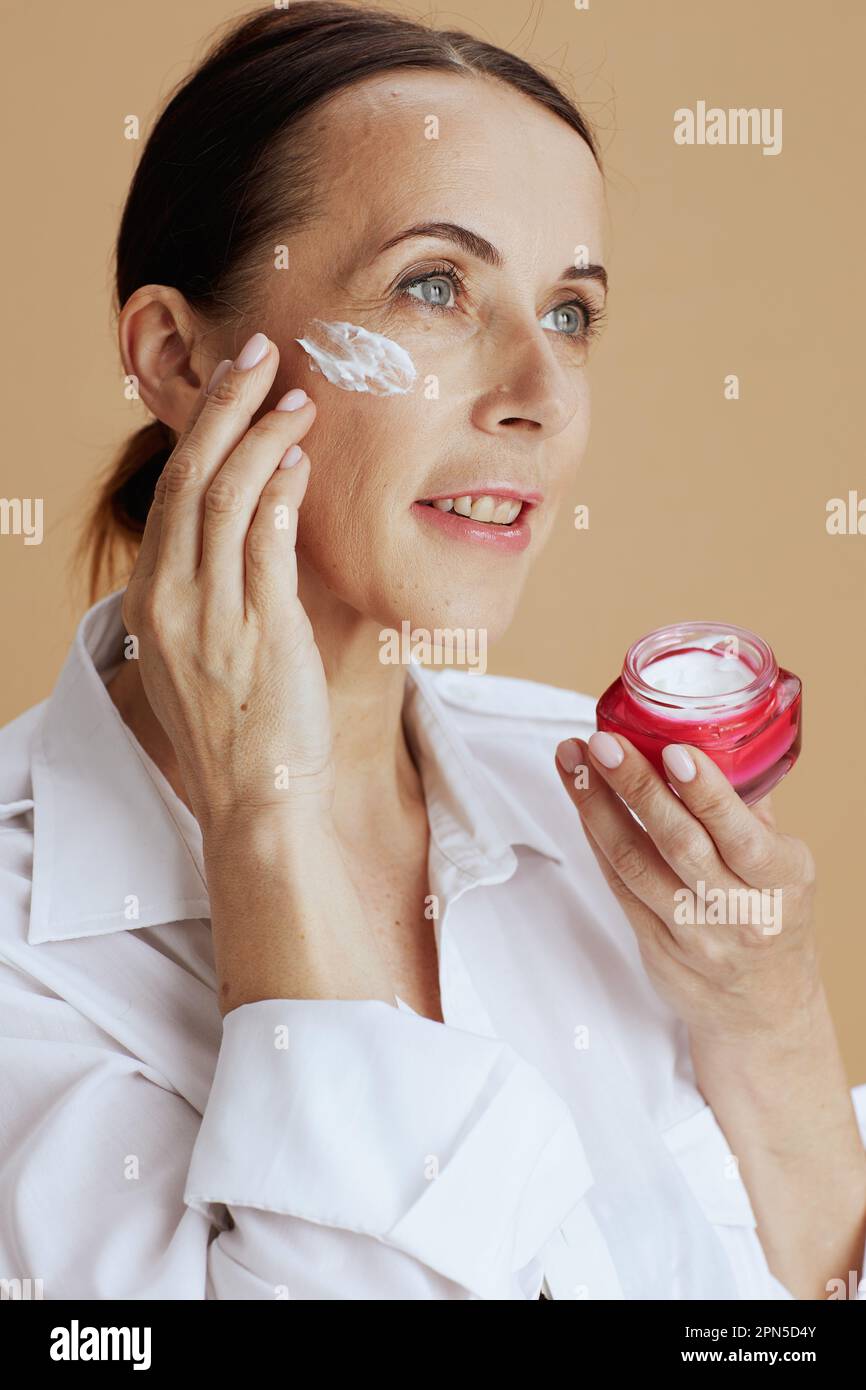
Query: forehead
x=418, y=146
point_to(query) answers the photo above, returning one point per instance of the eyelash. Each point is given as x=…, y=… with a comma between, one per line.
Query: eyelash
x=593, y=315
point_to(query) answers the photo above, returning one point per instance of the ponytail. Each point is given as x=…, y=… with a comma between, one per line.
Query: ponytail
x=111, y=533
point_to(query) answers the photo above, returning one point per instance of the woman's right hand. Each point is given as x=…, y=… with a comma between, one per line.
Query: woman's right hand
x=227, y=655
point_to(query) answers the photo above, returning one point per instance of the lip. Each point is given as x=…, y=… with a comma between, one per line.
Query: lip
x=504, y=538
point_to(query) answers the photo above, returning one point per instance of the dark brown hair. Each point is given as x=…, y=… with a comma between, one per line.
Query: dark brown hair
x=202, y=215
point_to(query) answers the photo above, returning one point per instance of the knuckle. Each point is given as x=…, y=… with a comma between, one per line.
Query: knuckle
x=595, y=783
x=183, y=470
x=688, y=846
x=150, y=611
x=625, y=896
x=658, y=940
x=716, y=805
x=753, y=853
x=716, y=955
x=259, y=543
x=226, y=396
x=224, y=497
x=156, y=607
x=629, y=862
x=643, y=788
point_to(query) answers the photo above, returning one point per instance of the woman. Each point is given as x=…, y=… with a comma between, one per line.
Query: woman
x=314, y=985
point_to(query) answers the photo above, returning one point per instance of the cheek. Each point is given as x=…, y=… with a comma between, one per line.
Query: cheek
x=584, y=415
x=361, y=476
x=357, y=359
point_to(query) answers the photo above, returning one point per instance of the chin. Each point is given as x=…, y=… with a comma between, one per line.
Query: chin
x=462, y=612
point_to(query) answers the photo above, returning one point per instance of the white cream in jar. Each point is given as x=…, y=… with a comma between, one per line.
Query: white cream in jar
x=698, y=672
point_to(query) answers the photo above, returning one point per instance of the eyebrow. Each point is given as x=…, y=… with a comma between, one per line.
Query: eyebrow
x=475, y=245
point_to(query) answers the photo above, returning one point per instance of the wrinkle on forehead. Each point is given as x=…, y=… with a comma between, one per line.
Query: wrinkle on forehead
x=498, y=153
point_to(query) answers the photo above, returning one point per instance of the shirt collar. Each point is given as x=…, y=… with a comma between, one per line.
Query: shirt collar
x=475, y=821
x=114, y=847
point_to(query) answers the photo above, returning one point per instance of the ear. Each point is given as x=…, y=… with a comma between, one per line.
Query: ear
x=161, y=345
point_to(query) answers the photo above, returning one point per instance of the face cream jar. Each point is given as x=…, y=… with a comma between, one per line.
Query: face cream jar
x=717, y=687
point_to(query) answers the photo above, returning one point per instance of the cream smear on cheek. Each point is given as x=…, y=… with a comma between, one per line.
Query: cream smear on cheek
x=356, y=359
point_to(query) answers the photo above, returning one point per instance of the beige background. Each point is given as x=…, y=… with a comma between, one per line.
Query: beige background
x=723, y=260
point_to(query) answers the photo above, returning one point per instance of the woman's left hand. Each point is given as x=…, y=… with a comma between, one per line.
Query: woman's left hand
x=733, y=964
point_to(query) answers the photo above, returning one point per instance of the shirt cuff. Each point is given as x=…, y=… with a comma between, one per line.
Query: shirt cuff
x=444, y=1144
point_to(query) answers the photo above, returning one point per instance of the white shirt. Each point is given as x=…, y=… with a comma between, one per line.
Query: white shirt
x=549, y=1134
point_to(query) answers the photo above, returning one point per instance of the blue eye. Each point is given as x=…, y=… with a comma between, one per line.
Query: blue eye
x=570, y=319
x=435, y=290
x=440, y=288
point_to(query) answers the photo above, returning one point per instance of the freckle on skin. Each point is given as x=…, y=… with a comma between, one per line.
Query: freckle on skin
x=243, y=706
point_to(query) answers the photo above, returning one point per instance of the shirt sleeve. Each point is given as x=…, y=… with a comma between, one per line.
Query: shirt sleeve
x=347, y=1151
x=361, y=1152
x=702, y=1151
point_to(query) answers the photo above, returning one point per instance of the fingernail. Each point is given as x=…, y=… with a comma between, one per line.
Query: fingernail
x=292, y=400
x=679, y=762
x=293, y=455
x=606, y=749
x=219, y=372
x=252, y=352
x=568, y=754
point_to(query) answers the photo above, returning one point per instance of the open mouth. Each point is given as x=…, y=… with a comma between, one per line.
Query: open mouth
x=494, y=511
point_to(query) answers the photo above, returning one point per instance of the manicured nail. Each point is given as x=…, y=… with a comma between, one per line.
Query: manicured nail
x=252, y=352
x=679, y=762
x=293, y=455
x=606, y=749
x=568, y=754
x=292, y=400
x=219, y=372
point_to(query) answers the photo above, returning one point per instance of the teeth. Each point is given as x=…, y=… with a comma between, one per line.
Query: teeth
x=501, y=511
x=483, y=509
x=506, y=512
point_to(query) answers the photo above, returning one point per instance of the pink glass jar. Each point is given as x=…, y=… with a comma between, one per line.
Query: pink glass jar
x=751, y=732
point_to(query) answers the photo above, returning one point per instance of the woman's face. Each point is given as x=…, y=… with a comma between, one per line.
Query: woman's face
x=500, y=404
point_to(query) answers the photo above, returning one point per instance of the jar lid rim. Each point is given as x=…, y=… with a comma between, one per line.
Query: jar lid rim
x=666, y=640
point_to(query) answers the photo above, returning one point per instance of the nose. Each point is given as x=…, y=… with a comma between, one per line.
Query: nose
x=528, y=388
